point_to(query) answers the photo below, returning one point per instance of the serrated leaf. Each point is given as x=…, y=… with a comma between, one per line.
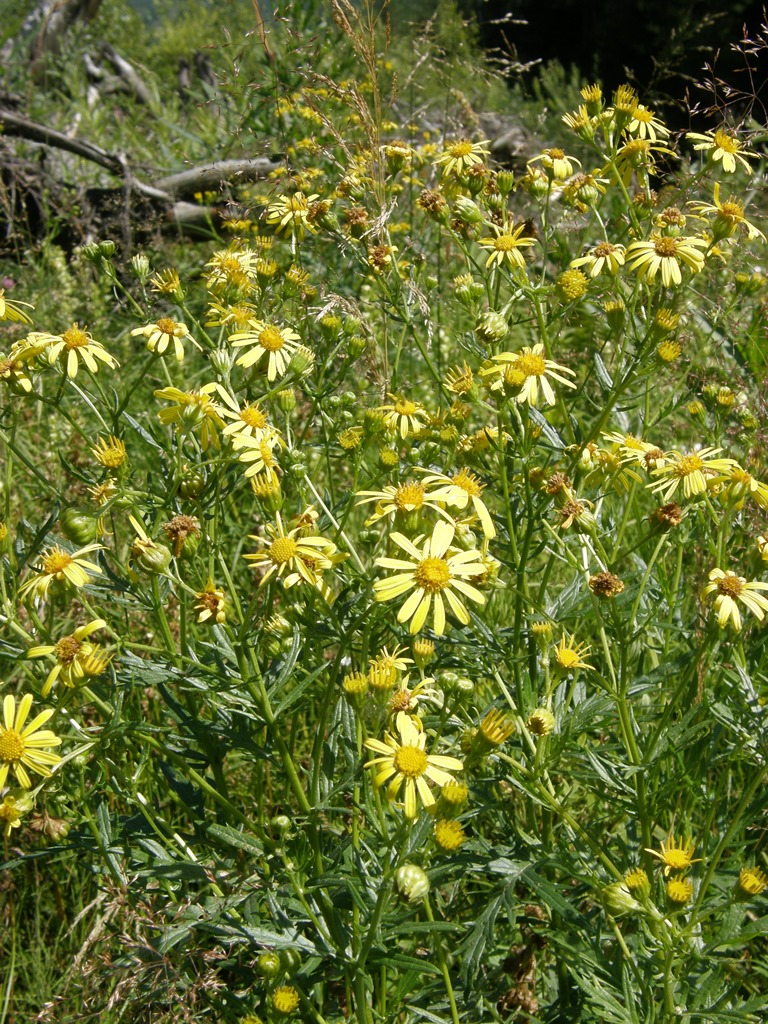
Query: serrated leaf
x=232, y=837
x=547, y=429
x=601, y=372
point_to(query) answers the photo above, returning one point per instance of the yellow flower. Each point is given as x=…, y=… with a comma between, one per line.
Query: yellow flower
x=250, y=420
x=263, y=339
x=12, y=310
x=110, y=453
x=541, y=722
x=10, y=815
x=645, y=125
x=556, y=163
x=495, y=728
x=569, y=655
x=292, y=557
x=193, y=410
x=460, y=155
x=162, y=333
x=22, y=748
x=236, y=317
x=60, y=566
x=403, y=417
x=679, y=890
x=211, y=604
x=458, y=491
x=692, y=469
x=528, y=370
x=167, y=282
x=727, y=216
x=675, y=855
x=434, y=575
x=449, y=834
x=285, y=999
x=722, y=147
x=506, y=245
x=291, y=213
x=12, y=371
x=742, y=484
x=403, y=763
x=603, y=256
x=731, y=589
x=406, y=699
x=78, y=343
x=403, y=499
x=75, y=658
x=665, y=254
x=637, y=155
x=256, y=452
x=234, y=268
x=753, y=881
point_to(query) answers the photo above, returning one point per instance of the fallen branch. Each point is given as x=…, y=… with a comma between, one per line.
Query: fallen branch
x=211, y=176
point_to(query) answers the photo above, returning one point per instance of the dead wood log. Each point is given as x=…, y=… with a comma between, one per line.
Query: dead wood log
x=209, y=177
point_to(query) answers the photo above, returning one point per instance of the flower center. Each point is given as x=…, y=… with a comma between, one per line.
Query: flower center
x=603, y=249
x=410, y=761
x=74, y=337
x=666, y=247
x=531, y=365
x=677, y=859
x=460, y=149
x=688, y=464
x=730, y=586
x=732, y=210
x=726, y=142
x=504, y=243
x=636, y=149
x=433, y=574
x=409, y=496
x=297, y=203
x=168, y=326
x=567, y=658
x=56, y=561
x=67, y=649
x=252, y=416
x=401, y=701
x=405, y=408
x=646, y=116
x=283, y=550
x=12, y=747
x=271, y=339
x=467, y=482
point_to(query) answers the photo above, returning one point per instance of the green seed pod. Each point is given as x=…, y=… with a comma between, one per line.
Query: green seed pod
x=151, y=558
x=291, y=959
x=411, y=882
x=192, y=484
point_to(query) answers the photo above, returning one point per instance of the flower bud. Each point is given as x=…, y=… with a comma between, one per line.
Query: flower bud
x=619, y=899
x=491, y=328
x=286, y=399
x=152, y=558
x=268, y=964
x=140, y=267
x=411, y=882
x=78, y=526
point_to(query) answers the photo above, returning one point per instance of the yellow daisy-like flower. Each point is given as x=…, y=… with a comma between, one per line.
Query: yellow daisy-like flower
x=165, y=332
x=633, y=449
x=460, y=155
x=285, y=999
x=603, y=256
x=111, y=452
x=753, y=881
x=434, y=575
x=256, y=451
x=10, y=815
x=60, y=566
x=449, y=834
x=731, y=589
x=232, y=268
x=556, y=163
x=506, y=245
x=405, y=699
x=528, y=370
x=668, y=255
x=250, y=419
x=679, y=890
x=675, y=855
x=692, y=469
x=22, y=748
x=291, y=556
x=78, y=344
x=723, y=147
x=637, y=156
x=235, y=317
x=727, y=216
x=211, y=604
x=741, y=484
x=403, y=499
x=278, y=344
x=12, y=371
x=75, y=658
x=404, y=764
x=291, y=213
x=569, y=655
x=12, y=310
x=193, y=410
x=403, y=416
x=645, y=125
x=459, y=491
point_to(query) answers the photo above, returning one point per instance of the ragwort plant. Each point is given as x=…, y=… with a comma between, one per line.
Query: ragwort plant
x=382, y=607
